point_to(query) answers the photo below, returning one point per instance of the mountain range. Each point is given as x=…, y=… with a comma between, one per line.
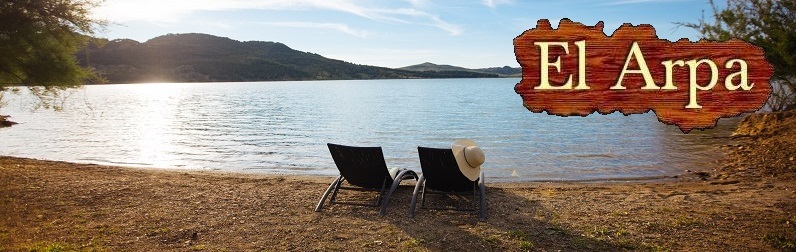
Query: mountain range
x=197, y=57
x=505, y=71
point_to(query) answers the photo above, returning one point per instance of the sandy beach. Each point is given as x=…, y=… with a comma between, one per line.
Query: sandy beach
x=747, y=202
x=58, y=205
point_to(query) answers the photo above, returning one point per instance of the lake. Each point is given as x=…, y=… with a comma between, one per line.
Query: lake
x=283, y=127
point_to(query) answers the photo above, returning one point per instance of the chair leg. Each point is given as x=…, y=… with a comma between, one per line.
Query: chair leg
x=482, y=208
x=423, y=197
x=380, y=197
x=336, y=190
x=395, y=183
x=416, y=193
x=332, y=187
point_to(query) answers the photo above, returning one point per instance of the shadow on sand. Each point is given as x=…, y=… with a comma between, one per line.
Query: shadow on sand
x=514, y=223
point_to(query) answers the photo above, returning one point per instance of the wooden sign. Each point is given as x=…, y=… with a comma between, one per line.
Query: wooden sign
x=577, y=70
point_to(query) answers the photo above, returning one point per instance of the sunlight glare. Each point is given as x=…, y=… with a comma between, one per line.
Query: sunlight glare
x=158, y=105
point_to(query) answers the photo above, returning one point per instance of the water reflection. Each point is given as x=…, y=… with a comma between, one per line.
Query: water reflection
x=283, y=127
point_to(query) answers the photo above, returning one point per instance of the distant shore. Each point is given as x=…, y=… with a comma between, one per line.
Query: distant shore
x=84, y=207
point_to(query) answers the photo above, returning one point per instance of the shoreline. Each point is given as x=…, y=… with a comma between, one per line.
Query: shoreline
x=686, y=175
x=97, y=207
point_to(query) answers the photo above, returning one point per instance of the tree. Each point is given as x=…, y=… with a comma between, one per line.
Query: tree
x=769, y=24
x=38, y=42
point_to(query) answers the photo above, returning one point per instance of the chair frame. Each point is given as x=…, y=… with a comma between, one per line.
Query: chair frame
x=478, y=186
x=383, y=198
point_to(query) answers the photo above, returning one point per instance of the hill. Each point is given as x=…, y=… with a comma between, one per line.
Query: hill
x=762, y=147
x=505, y=71
x=428, y=66
x=205, y=58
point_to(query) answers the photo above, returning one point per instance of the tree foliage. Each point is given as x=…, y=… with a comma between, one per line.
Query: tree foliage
x=769, y=24
x=38, y=41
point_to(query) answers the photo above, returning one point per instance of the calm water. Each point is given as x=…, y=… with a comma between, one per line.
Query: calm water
x=283, y=127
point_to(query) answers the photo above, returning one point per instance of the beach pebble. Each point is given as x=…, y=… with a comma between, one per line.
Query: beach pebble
x=678, y=198
x=725, y=182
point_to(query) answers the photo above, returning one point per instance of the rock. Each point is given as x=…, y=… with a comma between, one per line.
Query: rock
x=4, y=122
x=764, y=123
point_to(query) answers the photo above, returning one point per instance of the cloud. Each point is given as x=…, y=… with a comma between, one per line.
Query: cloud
x=330, y=26
x=624, y=2
x=413, y=16
x=173, y=11
x=494, y=3
x=418, y=3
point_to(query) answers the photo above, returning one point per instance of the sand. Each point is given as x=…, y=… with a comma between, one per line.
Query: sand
x=58, y=205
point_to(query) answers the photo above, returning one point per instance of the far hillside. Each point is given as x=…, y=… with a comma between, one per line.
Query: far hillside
x=505, y=71
x=207, y=58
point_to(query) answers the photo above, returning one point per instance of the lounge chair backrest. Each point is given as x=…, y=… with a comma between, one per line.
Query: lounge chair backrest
x=361, y=166
x=441, y=171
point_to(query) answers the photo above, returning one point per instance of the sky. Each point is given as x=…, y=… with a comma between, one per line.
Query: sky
x=394, y=33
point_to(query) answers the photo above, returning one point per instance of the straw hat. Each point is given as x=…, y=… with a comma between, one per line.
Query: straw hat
x=469, y=157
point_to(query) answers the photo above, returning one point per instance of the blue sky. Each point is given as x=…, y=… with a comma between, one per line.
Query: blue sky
x=473, y=34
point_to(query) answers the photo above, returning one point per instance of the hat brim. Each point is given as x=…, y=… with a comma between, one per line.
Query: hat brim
x=472, y=173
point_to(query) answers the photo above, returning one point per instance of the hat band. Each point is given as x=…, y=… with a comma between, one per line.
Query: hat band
x=464, y=151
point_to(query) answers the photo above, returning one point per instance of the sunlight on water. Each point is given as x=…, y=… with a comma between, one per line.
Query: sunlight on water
x=283, y=127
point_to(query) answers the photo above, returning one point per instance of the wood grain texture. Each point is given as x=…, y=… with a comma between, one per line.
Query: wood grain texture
x=605, y=59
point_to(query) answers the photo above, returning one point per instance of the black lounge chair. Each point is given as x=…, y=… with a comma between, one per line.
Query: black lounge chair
x=365, y=169
x=441, y=175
